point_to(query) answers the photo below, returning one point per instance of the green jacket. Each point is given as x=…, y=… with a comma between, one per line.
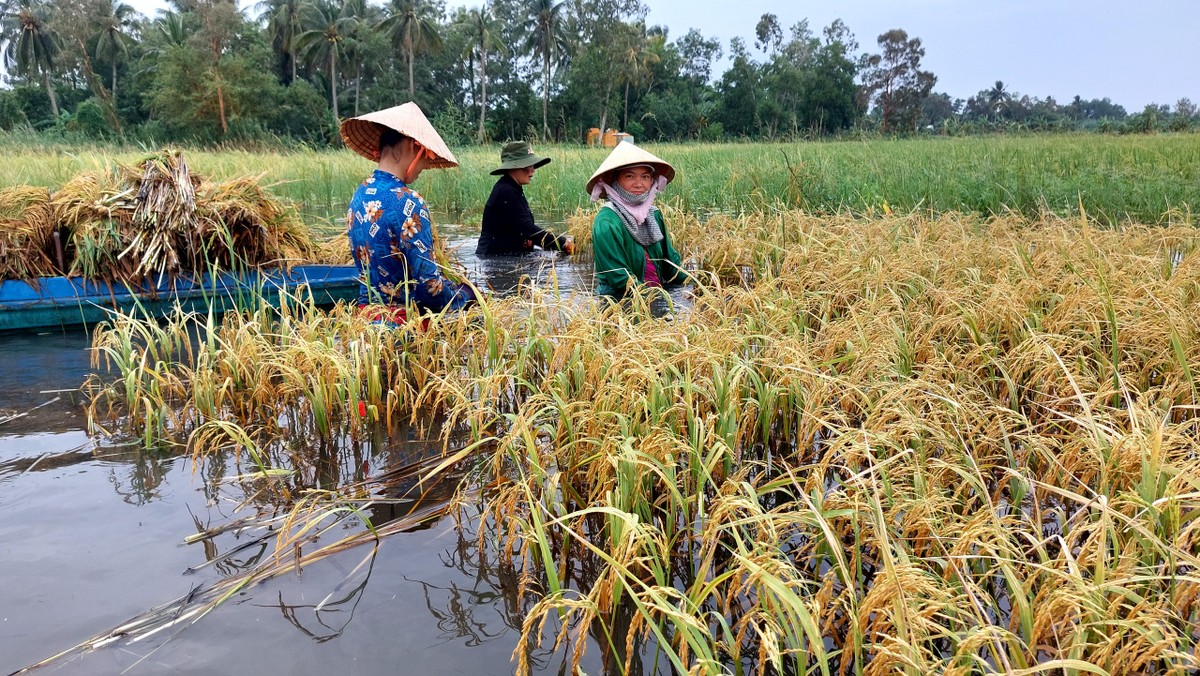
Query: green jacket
x=618, y=256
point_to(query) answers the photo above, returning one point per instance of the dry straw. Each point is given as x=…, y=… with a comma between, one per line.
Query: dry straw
x=150, y=220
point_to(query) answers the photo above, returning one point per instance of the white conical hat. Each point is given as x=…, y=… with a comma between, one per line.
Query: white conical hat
x=627, y=154
x=361, y=133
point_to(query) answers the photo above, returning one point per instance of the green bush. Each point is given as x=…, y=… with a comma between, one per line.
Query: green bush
x=89, y=120
x=11, y=113
x=304, y=115
x=454, y=124
x=712, y=132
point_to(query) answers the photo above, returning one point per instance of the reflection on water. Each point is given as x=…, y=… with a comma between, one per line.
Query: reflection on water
x=40, y=374
x=547, y=270
x=92, y=534
x=328, y=619
x=503, y=275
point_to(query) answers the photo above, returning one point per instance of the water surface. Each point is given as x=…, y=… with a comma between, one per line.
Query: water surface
x=92, y=534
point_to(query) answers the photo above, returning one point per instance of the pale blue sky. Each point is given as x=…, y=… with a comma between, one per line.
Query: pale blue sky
x=1133, y=52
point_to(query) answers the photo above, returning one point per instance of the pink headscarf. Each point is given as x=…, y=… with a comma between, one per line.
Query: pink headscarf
x=638, y=206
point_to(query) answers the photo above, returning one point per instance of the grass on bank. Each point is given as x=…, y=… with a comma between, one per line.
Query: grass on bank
x=911, y=445
x=1116, y=179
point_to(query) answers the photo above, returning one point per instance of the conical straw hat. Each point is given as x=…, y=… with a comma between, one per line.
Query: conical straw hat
x=361, y=133
x=626, y=154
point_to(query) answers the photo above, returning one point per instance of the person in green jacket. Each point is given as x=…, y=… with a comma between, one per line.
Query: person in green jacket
x=629, y=238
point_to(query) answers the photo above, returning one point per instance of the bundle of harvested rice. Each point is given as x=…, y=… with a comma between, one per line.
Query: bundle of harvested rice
x=151, y=220
x=16, y=201
x=242, y=224
x=164, y=217
x=96, y=208
x=27, y=248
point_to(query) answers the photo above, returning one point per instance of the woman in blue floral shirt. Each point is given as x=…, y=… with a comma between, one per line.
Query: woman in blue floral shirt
x=391, y=235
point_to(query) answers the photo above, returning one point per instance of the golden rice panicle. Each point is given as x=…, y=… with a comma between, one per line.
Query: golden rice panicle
x=17, y=200
x=332, y=251
x=22, y=251
x=27, y=247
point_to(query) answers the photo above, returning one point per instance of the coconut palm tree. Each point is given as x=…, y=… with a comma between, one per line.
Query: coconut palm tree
x=31, y=44
x=484, y=30
x=362, y=17
x=325, y=28
x=546, y=39
x=411, y=26
x=114, y=38
x=283, y=25
x=998, y=99
x=167, y=32
x=172, y=28
x=636, y=59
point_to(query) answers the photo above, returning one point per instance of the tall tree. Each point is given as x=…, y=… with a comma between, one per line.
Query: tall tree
x=484, y=30
x=31, y=45
x=637, y=57
x=894, y=79
x=362, y=17
x=412, y=26
x=284, y=27
x=206, y=70
x=114, y=38
x=547, y=40
x=739, y=91
x=830, y=97
x=768, y=36
x=220, y=22
x=607, y=30
x=324, y=30
x=998, y=99
x=698, y=54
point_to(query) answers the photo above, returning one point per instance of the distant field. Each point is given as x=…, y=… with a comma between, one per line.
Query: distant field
x=1117, y=179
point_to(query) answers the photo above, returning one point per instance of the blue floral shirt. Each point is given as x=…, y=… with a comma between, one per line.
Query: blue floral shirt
x=391, y=238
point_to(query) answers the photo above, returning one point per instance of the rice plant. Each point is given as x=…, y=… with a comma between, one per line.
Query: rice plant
x=912, y=443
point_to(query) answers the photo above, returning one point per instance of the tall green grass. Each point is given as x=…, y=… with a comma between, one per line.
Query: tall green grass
x=1145, y=179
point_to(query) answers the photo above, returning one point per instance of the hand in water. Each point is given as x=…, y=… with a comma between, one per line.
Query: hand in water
x=471, y=293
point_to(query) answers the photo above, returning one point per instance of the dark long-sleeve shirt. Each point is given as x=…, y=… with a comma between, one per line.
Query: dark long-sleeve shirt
x=508, y=223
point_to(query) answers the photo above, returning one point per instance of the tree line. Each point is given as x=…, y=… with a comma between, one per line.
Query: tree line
x=206, y=71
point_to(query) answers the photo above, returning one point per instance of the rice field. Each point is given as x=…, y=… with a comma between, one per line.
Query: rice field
x=890, y=441
x=1114, y=179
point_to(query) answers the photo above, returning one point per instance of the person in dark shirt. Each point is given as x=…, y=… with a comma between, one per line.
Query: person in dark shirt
x=508, y=226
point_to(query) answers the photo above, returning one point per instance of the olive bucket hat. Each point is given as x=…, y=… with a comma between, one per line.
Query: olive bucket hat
x=518, y=155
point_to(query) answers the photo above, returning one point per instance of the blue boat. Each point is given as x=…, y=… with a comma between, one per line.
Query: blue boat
x=60, y=302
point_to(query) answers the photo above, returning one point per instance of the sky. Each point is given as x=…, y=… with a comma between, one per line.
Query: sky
x=1134, y=53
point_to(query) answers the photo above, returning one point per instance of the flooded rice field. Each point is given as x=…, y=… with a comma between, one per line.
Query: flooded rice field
x=937, y=445
x=94, y=534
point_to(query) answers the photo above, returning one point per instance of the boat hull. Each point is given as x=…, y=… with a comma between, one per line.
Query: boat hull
x=54, y=302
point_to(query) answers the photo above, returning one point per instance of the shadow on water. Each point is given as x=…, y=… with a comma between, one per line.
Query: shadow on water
x=108, y=542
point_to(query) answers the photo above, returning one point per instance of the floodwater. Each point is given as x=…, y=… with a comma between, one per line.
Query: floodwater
x=92, y=535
